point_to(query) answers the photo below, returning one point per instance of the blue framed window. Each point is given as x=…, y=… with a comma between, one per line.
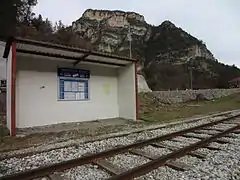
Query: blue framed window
x=72, y=87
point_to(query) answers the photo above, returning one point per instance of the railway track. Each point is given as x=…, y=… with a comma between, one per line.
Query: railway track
x=36, y=149
x=212, y=131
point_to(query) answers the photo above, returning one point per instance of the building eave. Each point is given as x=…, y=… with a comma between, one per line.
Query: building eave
x=71, y=51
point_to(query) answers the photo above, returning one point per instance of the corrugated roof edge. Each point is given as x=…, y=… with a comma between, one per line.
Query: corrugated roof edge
x=70, y=48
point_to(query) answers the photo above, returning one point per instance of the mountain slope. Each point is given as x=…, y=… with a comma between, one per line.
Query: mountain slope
x=166, y=52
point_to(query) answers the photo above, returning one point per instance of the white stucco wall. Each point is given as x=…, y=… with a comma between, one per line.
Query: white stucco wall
x=37, y=107
x=126, y=92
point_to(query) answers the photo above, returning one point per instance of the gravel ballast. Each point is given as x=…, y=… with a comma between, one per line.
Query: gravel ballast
x=86, y=172
x=204, y=151
x=154, y=151
x=189, y=160
x=161, y=173
x=174, y=144
x=186, y=140
x=31, y=162
x=127, y=161
x=207, y=131
x=218, y=165
x=223, y=126
x=199, y=135
x=12, y=165
x=140, y=135
x=230, y=140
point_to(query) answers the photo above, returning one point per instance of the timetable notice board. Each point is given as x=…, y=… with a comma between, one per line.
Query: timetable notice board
x=73, y=84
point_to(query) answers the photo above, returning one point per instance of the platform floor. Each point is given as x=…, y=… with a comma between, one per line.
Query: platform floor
x=88, y=126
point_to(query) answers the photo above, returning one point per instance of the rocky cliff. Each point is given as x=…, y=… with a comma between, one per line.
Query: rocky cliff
x=108, y=31
x=166, y=52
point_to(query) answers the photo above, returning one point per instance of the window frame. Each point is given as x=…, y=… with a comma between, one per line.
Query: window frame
x=70, y=79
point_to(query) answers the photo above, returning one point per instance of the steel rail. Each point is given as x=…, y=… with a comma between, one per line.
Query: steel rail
x=46, y=170
x=120, y=135
x=145, y=168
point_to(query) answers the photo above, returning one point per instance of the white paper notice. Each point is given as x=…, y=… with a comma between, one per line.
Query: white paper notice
x=81, y=86
x=78, y=96
x=82, y=95
x=74, y=86
x=69, y=96
x=67, y=86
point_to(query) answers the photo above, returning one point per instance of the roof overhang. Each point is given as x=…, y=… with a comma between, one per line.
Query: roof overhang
x=72, y=54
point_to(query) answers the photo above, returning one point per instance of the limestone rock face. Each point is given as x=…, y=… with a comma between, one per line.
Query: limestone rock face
x=142, y=84
x=101, y=15
x=166, y=52
x=108, y=30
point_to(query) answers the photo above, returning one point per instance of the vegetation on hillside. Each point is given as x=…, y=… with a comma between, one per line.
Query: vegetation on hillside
x=28, y=25
x=167, y=38
x=153, y=111
x=206, y=74
x=225, y=73
x=164, y=68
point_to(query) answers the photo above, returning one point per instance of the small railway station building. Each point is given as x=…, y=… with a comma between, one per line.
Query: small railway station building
x=51, y=83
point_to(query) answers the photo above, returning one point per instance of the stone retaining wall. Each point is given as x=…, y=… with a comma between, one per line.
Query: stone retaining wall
x=176, y=96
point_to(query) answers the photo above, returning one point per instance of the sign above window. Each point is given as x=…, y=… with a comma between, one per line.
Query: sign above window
x=73, y=73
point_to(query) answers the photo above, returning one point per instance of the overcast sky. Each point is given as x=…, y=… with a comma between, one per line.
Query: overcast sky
x=216, y=22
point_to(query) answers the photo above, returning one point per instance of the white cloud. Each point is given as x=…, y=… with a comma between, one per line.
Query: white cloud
x=216, y=22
